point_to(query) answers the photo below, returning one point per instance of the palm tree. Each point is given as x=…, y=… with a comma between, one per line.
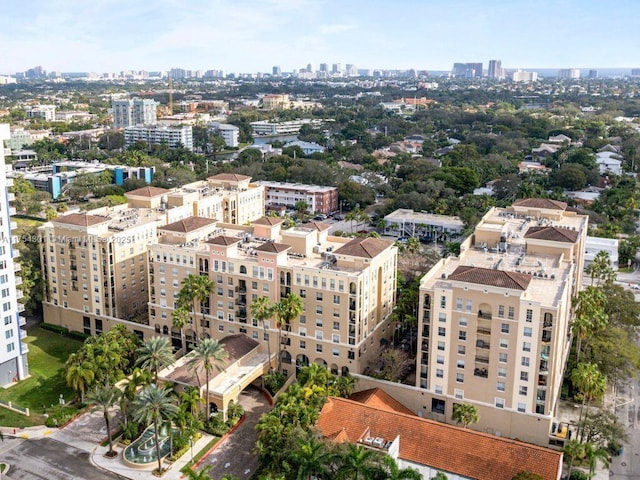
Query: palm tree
x=138, y=378
x=208, y=354
x=312, y=459
x=357, y=462
x=262, y=310
x=190, y=399
x=285, y=311
x=589, y=316
x=155, y=405
x=353, y=216
x=201, y=475
x=105, y=397
x=601, y=269
x=80, y=377
x=593, y=453
x=389, y=470
x=155, y=354
x=195, y=290
x=301, y=207
x=180, y=319
x=312, y=375
x=465, y=413
x=591, y=383
x=573, y=450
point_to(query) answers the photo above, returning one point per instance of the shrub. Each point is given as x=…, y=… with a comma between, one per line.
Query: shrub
x=54, y=328
x=78, y=335
x=59, y=416
x=216, y=425
x=274, y=381
x=578, y=475
x=234, y=412
x=131, y=432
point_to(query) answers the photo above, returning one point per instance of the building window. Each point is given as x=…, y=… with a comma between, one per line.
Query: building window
x=529, y=315
x=526, y=347
x=460, y=363
x=502, y=357
x=335, y=352
x=443, y=302
x=523, y=390
x=441, y=346
x=500, y=311
x=458, y=304
x=504, y=328
x=500, y=386
x=319, y=296
x=336, y=325
x=512, y=313
x=469, y=306
x=303, y=344
x=525, y=361
x=439, y=373
x=502, y=372
x=319, y=348
x=442, y=331
x=462, y=321
x=528, y=331
x=462, y=349
x=524, y=376
x=522, y=407
x=460, y=377
x=499, y=402
x=437, y=405
x=462, y=336
x=442, y=317
x=336, y=299
x=459, y=394
x=439, y=389
x=440, y=359
x=504, y=343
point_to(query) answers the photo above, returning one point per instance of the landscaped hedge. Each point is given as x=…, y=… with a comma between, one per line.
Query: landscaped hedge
x=78, y=335
x=55, y=328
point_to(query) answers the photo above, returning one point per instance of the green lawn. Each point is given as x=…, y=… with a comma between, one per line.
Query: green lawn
x=27, y=221
x=48, y=352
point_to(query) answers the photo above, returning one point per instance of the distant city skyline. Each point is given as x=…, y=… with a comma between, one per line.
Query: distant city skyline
x=254, y=35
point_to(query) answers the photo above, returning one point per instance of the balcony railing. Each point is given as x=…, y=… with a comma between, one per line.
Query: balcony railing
x=480, y=359
x=481, y=372
x=483, y=331
x=483, y=344
x=484, y=315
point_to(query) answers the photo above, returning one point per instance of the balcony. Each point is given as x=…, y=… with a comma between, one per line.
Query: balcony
x=241, y=313
x=483, y=331
x=19, y=294
x=484, y=315
x=20, y=308
x=15, y=253
x=16, y=267
x=482, y=344
x=544, y=368
x=481, y=359
x=352, y=304
x=546, y=336
x=241, y=300
x=22, y=321
x=481, y=372
x=23, y=333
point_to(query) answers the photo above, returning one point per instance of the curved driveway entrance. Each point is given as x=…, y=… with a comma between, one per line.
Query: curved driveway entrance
x=236, y=455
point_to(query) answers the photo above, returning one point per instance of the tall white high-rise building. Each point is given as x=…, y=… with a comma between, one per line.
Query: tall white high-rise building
x=13, y=353
x=135, y=111
x=569, y=73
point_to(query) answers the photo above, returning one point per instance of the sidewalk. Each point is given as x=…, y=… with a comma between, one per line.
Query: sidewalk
x=117, y=466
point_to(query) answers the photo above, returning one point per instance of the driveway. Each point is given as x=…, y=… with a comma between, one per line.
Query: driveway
x=236, y=455
x=48, y=459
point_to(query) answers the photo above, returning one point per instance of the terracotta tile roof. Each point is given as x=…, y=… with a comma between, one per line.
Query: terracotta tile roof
x=554, y=234
x=494, y=278
x=188, y=224
x=80, y=219
x=148, y=192
x=223, y=240
x=268, y=221
x=540, y=203
x=272, y=247
x=367, y=247
x=320, y=226
x=460, y=451
x=376, y=397
x=229, y=177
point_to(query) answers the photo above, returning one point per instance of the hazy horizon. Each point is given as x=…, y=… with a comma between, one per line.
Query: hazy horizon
x=254, y=35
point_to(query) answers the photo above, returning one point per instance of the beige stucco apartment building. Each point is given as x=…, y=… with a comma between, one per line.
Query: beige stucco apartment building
x=95, y=264
x=494, y=322
x=347, y=286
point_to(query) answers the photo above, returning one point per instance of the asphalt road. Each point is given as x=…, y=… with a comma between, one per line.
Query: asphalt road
x=48, y=459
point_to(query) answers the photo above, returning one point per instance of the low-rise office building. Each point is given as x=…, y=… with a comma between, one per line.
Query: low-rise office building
x=427, y=226
x=156, y=135
x=282, y=194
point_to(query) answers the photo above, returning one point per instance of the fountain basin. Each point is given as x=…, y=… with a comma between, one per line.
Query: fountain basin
x=141, y=453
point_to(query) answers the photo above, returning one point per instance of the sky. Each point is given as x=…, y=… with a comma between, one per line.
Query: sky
x=254, y=35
